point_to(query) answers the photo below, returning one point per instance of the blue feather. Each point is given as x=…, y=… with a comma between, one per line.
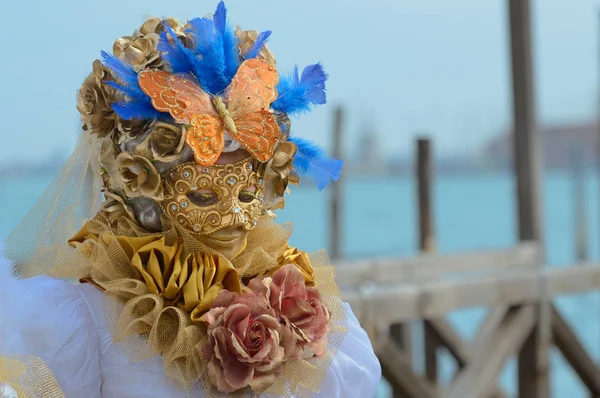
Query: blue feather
x=177, y=59
x=260, y=42
x=312, y=159
x=132, y=92
x=201, y=29
x=209, y=61
x=123, y=72
x=137, y=110
x=139, y=105
x=231, y=52
x=297, y=94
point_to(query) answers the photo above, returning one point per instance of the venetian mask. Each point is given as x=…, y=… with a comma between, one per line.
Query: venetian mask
x=208, y=199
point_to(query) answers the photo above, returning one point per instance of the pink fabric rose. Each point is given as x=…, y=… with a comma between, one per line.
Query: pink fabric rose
x=300, y=306
x=244, y=342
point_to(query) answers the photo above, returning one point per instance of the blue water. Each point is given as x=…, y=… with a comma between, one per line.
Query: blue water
x=471, y=213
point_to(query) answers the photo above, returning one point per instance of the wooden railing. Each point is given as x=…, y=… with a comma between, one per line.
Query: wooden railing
x=509, y=282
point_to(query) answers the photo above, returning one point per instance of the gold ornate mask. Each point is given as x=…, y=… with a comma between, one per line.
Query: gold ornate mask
x=207, y=199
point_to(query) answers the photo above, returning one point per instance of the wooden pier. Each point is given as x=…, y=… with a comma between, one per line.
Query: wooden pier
x=509, y=282
x=519, y=291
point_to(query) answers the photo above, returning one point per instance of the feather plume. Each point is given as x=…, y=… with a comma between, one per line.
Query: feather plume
x=137, y=110
x=209, y=61
x=258, y=45
x=138, y=105
x=173, y=54
x=297, y=94
x=124, y=73
x=231, y=52
x=131, y=92
x=312, y=160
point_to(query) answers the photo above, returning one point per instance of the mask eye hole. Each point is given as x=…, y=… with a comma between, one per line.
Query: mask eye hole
x=247, y=195
x=203, y=197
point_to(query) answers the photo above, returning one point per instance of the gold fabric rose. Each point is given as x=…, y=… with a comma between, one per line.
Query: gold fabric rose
x=108, y=163
x=114, y=208
x=164, y=143
x=155, y=25
x=247, y=38
x=131, y=129
x=139, y=177
x=277, y=172
x=245, y=346
x=94, y=101
x=189, y=282
x=138, y=51
x=201, y=277
x=300, y=259
x=153, y=259
x=281, y=164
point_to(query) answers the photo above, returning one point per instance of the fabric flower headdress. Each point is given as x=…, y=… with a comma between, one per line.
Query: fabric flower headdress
x=205, y=88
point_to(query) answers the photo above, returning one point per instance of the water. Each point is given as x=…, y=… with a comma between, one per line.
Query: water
x=471, y=213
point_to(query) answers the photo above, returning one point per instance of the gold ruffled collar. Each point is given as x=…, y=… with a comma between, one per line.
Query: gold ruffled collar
x=166, y=283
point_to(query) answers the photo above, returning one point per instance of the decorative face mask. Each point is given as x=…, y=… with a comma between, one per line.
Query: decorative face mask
x=207, y=199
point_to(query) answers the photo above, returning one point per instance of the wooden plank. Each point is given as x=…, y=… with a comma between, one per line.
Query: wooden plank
x=401, y=333
x=445, y=336
x=575, y=353
x=490, y=324
x=430, y=347
x=532, y=382
x=336, y=194
x=424, y=267
x=573, y=279
x=433, y=299
x=464, y=354
x=479, y=378
x=398, y=371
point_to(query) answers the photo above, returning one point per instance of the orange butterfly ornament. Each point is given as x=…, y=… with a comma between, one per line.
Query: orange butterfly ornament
x=243, y=110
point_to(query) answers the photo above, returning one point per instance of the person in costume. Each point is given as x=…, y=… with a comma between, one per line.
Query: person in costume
x=152, y=266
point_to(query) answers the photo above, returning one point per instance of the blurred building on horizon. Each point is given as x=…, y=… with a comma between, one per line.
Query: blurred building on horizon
x=560, y=143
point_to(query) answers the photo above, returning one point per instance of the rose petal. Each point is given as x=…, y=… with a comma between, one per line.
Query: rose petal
x=239, y=349
x=224, y=298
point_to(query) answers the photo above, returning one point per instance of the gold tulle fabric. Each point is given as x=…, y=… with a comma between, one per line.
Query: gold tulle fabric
x=27, y=377
x=163, y=282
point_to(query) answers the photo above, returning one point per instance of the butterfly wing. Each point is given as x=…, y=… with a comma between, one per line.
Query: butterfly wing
x=205, y=137
x=248, y=99
x=258, y=132
x=252, y=89
x=180, y=94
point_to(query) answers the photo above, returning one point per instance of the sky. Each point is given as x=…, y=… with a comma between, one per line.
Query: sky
x=400, y=68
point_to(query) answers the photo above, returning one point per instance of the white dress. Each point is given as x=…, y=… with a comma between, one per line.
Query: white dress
x=64, y=325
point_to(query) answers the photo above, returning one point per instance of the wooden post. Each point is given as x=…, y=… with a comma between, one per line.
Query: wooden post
x=426, y=244
x=579, y=203
x=424, y=178
x=598, y=103
x=533, y=358
x=401, y=333
x=336, y=193
x=598, y=106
